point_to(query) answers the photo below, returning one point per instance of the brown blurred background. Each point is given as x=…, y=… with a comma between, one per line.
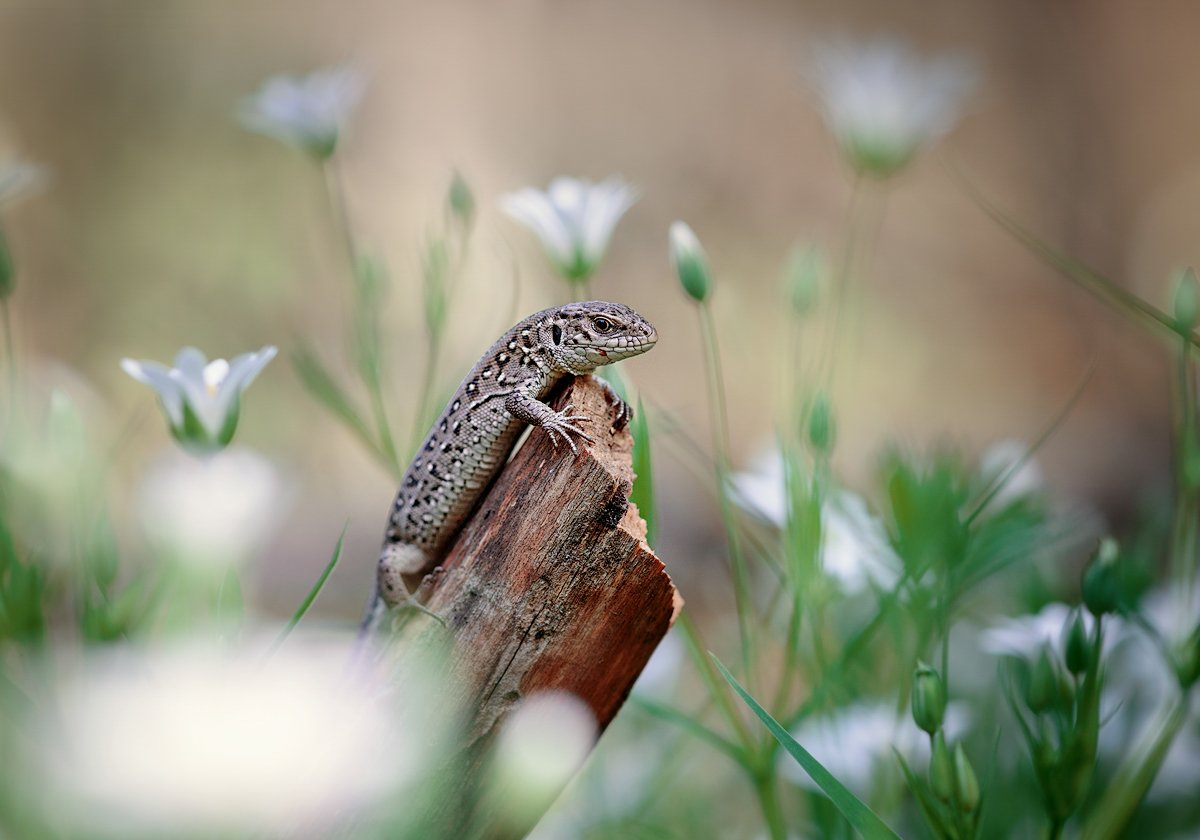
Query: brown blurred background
x=166, y=224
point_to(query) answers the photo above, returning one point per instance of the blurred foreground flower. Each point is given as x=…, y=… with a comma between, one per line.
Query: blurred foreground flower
x=201, y=399
x=883, y=103
x=308, y=112
x=199, y=742
x=543, y=743
x=212, y=512
x=855, y=547
x=574, y=219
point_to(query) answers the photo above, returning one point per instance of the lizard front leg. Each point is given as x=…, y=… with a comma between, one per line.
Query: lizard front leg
x=525, y=407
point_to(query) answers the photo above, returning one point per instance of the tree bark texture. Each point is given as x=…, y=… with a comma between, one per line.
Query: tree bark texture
x=549, y=586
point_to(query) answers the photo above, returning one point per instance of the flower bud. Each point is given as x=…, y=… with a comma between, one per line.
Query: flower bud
x=941, y=769
x=690, y=261
x=822, y=431
x=1187, y=300
x=1101, y=583
x=928, y=698
x=1043, y=685
x=802, y=278
x=1077, y=652
x=1187, y=660
x=460, y=200
x=7, y=271
x=965, y=783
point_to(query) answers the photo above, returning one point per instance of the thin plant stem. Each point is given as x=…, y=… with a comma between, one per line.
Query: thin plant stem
x=425, y=395
x=721, y=446
x=716, y=687
x=768, y=800
x=337, y=201
x=1183, y=544
x=10, y=352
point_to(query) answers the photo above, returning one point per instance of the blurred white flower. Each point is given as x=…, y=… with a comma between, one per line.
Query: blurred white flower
x=856, y=551
x=1025, y=636
x=199, y=742
x=543, y=742
x=996, y=462
x=211, y=512
x=573, y=218
x=19, y=178
x=883, y=103
x=201, y=399
x=308, y=112
x=855, y=742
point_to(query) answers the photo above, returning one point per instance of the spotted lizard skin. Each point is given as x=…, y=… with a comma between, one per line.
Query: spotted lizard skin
x=471, y=440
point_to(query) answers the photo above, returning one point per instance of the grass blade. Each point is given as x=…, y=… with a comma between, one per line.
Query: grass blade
x=325, y=389
x=643, y=482
x=865, y=821
x=1120, y=299
x=312, y=593
x=688, y=724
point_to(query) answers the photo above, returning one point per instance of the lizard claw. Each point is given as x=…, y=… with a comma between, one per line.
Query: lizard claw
x=624, y=411
x=563, y=423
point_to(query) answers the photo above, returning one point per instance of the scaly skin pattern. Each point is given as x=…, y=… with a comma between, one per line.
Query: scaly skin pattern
x=471, y=440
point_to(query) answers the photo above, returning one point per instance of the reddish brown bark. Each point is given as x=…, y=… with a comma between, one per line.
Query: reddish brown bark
x=550, y=585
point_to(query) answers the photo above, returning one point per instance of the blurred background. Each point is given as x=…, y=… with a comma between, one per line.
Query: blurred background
x=164, y=223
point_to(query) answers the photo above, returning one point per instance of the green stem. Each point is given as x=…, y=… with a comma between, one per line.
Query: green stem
x=716, y=686
x=1183, y=544
x=10, y=352
x=721, y=447
x=425, y=395
x=766, y=791
x=337, y=202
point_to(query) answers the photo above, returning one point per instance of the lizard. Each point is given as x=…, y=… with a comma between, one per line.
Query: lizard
x=471, y=440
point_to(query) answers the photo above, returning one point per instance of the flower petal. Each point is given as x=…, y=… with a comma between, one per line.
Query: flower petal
x=158, y=377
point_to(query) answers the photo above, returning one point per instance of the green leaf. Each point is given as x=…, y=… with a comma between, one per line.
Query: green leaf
x=865, y=821
x=318, y=382
x=643, y=482
x=312, y=593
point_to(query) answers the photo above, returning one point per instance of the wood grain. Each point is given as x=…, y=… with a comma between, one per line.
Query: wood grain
x=549, y=586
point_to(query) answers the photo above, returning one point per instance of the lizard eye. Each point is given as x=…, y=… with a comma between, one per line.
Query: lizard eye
x=602, y=325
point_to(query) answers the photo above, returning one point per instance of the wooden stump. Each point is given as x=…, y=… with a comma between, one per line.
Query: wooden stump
x=549, y=586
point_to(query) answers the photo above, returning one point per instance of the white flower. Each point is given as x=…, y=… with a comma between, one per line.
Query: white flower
x=19, y=178
x=855, y=547
x=211, y=512
x=855, y=742
x=308, y=112
x=1026, y=635
x=202, y=742
x=883, y=103
x=573, y=218
x=201, y=399
x=544, y=741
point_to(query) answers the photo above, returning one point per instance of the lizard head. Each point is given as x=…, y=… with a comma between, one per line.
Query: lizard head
x=584, y=336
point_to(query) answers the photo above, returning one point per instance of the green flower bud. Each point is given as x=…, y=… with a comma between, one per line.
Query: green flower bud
x=690, y=261
x=1187, y=660
x=941, y=769
x=965, y=783
x=1101, y=581
x=1187, y=300
x=1077, y=651
x=802, y=278
x=928, y=698
x=1043, y=685
x=461, y=201
x=822, y=432
x=8, y=280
